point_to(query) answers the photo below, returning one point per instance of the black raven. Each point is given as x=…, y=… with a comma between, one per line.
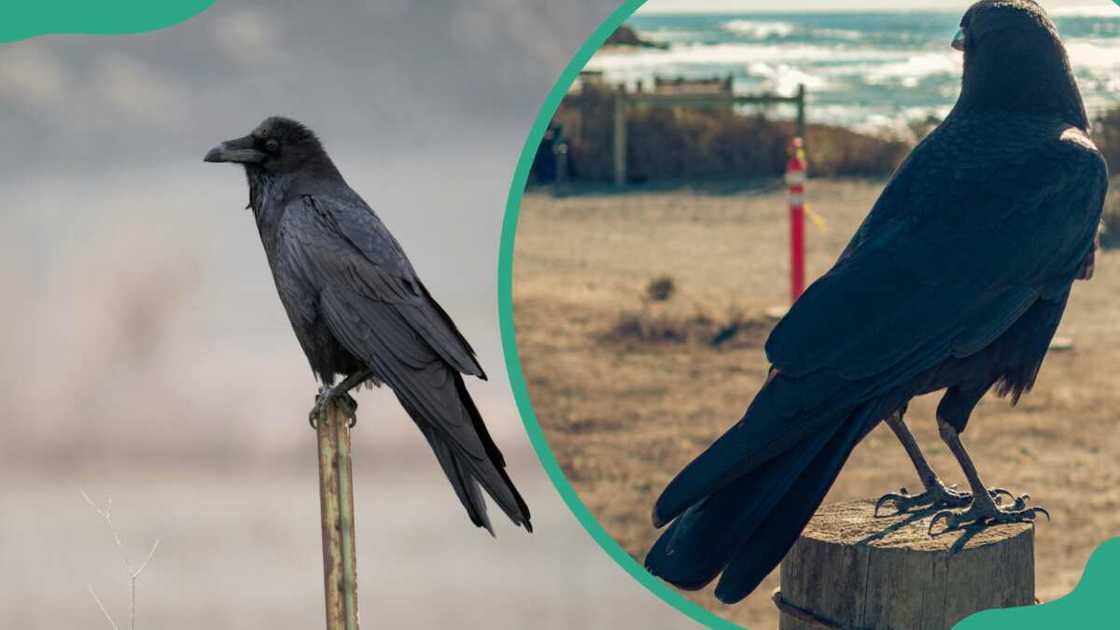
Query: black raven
x=359, y=310
x=956, y=280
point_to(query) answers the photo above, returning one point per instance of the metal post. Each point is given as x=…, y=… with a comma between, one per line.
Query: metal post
x=336, y=496
x=797, y=252
x=795, y=179
x=620, y=136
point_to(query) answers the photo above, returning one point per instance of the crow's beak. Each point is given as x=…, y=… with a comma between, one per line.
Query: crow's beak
x=958, y=41
x=240, y=150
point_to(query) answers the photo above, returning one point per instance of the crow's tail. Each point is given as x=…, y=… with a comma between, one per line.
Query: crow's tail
x=470, y=475
x=742, y=518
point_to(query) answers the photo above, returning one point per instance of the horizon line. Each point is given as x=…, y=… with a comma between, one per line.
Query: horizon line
x=1097, y=9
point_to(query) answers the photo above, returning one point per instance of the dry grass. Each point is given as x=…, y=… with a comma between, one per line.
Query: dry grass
x=132, y=571
x=1106, y=133
x=655, y=322
x=624, y=415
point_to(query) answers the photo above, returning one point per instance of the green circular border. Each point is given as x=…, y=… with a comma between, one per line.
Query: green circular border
x=509, y=339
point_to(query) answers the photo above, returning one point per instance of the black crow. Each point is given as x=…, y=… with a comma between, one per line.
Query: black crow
x=360, y=311
x=956, y=280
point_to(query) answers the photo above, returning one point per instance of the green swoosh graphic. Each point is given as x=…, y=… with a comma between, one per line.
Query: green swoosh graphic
x=1092, y=601
x=26, y=18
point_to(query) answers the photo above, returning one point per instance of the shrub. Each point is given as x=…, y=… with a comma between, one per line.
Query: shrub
x=661, y=289
x=688, y=143
x=1106, y=134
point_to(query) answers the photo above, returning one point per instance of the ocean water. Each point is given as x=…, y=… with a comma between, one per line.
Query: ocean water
x=865, y=70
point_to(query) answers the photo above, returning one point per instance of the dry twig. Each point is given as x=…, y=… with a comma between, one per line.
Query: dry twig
x=133, y=573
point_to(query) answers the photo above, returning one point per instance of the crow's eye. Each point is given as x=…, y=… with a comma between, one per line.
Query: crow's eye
x=272, y=146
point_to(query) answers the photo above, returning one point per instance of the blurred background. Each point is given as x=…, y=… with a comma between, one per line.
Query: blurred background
x=147, y=357
x=875, y=82
x=643, y=295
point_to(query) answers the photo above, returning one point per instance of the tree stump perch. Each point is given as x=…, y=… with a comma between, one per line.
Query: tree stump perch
x=853, y=570
x=336, y=501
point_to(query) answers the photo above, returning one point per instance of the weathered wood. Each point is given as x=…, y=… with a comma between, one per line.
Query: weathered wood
x=851, y=569
x=336, y=500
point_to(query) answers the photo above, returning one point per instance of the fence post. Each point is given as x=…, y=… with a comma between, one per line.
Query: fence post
x=336, y=497
x=852, y=569
x=619, y=121
x=802, y=131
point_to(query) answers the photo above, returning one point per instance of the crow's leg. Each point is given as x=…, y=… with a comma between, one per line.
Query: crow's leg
x=936, y=494
x=340, y=392
x=984, y=509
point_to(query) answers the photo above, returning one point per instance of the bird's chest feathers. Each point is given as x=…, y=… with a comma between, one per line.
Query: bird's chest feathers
x=266, y=199
x=280, y=227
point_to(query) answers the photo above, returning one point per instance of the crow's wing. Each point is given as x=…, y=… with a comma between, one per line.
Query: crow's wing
x=944, y=264
x=956, y=249
x=379, y=268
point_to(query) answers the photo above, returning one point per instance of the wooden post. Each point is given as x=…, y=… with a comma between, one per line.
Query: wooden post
x=851, y=569
x=619, y=121
x=336, y=495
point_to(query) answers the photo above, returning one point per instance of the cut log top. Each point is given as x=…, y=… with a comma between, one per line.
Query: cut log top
x=855, y=523
x=851, y=569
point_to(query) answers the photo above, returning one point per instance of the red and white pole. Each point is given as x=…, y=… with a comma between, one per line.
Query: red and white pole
x=795, y=178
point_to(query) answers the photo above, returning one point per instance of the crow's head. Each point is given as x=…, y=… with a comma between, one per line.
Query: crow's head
x=278, y=145
x=1004, y=27
x=1015, y=61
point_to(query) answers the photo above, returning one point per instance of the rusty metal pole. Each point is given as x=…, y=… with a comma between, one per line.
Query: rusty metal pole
x=336, y=500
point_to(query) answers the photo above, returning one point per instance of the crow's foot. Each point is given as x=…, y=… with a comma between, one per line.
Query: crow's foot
x=325, y=396
x=987, y=512
x=937, y=495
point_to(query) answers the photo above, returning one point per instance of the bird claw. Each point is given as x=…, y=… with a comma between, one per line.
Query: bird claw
x=942, y=496
x=898, y=498
x=317, y=409
x=997, y=495
x=989, y=513
x=950, y=517
x=327, y=394
x=936, y=495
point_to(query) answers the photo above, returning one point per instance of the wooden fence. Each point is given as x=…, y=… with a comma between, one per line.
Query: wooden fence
x=623, y=100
